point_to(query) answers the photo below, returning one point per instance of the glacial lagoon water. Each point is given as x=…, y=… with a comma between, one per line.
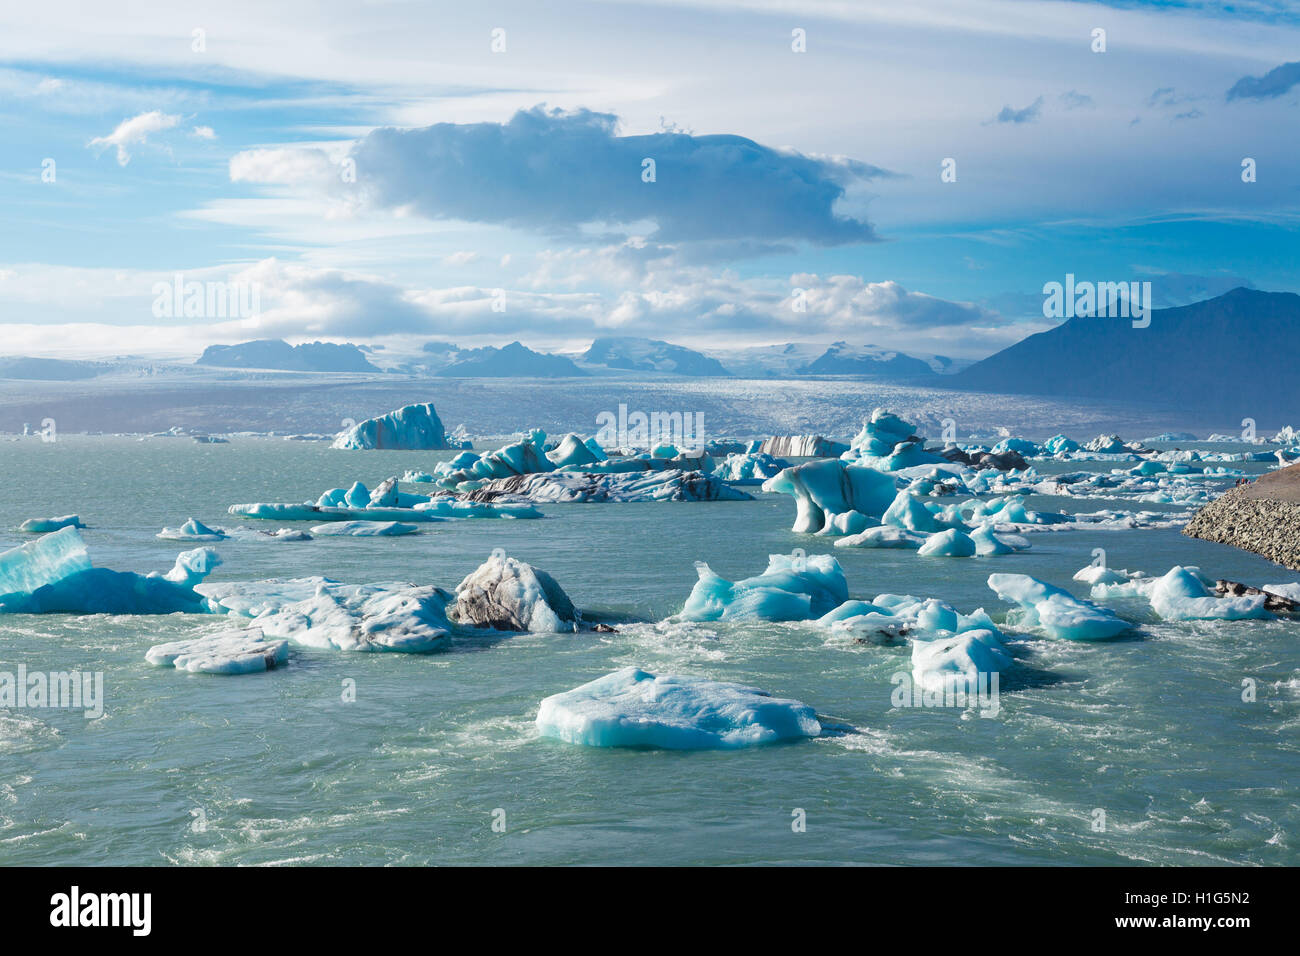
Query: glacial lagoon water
x=277, y=768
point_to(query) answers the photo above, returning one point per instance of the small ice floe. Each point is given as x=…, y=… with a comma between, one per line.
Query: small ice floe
x=229, y=652
x=1054, y=610
x=193, y=530
x=364, y=529
x=508, y=595
x=46, y=525
x=1184, y=594
x=793, y=588
x=633, y=708
x=883, y=536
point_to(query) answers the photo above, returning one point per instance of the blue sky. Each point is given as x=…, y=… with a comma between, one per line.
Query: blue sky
x=502, y=194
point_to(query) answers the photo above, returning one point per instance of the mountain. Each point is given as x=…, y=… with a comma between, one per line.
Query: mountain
x=651, y=355
x=278, y=354
x=513, y=361
x=1234, y=356
x=867, y=360
x=50, y=370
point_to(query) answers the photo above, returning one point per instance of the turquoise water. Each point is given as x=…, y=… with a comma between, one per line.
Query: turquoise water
x=1151, y=729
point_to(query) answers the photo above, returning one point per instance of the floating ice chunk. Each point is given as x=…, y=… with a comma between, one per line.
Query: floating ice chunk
x=633, y=708
x=949, y=544
x=509, y=595
x=793, y=588
x=368, y=618
x=848, y=522
x=988, y=544
x=825, y=488
x=230, y=652
x=412, y=427
x=1181, y=596
x=962, y=663
x=1057, y=612
x=883, y=537
x=1095, y=574
x=1059, y=444
x=193, y=530
x=364, y=529
x=520, y=458
x=46, y=525
x=798, y=446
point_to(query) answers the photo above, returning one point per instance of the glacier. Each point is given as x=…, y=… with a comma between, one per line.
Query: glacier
x=634, y=708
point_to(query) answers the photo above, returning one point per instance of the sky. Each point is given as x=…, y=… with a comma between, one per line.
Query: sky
x=715, y=173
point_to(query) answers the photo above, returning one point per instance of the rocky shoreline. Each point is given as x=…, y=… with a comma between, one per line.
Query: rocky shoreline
x=1253, y=521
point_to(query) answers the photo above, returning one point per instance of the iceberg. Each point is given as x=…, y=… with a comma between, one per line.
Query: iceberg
x=53, y=575
x=365, y=529
x=411, y=428
x=46, y=525
x=793, y=588
x=890, y=444
x=634, y=708
x=569, y=487
x=1057, y=612
x=799, y=446
x=823, y=489
x=230, y=652
x=1181, y=596
x=508, y=595
x=949, y=544
x=193, y=530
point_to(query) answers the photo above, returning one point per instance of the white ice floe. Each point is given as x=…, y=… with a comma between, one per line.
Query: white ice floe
x=1055, y=611
x=315, y=612
x=508, y=595
x=230, y=652
x=949, y=544
x=364, y=529
x=633, y=708
x=957, y=663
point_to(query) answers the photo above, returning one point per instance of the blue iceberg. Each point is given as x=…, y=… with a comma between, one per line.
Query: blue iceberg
x=411, y=428
x=793, y=588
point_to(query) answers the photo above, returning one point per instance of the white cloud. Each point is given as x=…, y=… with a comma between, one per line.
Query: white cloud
x=135, y=132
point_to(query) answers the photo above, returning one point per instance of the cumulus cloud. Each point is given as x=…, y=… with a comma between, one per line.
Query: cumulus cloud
x=1271, y=85
x=557, y=172
x=134, y=132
